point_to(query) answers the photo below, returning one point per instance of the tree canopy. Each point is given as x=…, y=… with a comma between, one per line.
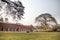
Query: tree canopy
x=46, y=19
x=14, y=9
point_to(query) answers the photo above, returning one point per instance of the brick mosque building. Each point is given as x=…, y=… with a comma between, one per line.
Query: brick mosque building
x=15, y=27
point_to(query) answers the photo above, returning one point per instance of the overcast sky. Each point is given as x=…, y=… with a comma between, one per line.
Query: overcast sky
x=33, y=8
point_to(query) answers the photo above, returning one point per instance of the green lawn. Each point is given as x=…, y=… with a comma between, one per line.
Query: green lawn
x=30, y=36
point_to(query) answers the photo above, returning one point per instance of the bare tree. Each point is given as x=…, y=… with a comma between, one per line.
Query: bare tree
x=44, y=19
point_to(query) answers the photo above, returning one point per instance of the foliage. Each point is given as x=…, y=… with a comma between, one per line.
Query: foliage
x=14, y=9
x=1, y=19
x=45, y=19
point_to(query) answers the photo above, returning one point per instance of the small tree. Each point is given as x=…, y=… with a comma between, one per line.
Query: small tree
x=6, y=19
x=1, y=19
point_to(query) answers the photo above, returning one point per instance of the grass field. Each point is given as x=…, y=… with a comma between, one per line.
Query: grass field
x=30, y=36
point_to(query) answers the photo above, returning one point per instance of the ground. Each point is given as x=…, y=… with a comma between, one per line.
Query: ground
x=30, y=36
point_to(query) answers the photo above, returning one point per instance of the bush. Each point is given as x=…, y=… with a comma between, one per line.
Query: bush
x=27, y=31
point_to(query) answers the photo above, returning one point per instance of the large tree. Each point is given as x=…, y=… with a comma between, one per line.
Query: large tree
x=45, y=20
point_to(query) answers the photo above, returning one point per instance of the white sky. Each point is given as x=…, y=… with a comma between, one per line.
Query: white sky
x=33, y=8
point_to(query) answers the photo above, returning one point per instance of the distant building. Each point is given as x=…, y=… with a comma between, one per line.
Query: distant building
x=15, y=27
